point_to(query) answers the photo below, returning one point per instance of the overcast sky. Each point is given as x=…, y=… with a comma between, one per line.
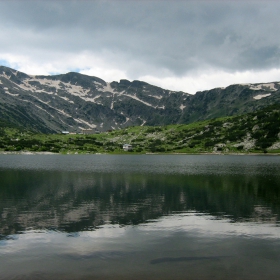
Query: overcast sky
x=177, y=45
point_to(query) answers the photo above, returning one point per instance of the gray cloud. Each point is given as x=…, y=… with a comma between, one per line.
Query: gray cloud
x=147, y=37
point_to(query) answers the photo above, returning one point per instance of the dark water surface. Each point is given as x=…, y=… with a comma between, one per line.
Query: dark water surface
x=139, y=217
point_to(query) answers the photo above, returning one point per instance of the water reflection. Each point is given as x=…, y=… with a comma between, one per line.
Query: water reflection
x=80, y=201
x=161, y=217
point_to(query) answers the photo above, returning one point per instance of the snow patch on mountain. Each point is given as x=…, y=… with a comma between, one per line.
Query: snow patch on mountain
x=12, y=94
x=160, y=107
x=260, y=96
x=136, y=98
x=6, y=76
x=76, y=90
x=46, y=82
x=44, y=102
x=107, y=88
x=27, y=87
x=41, y=109
x=112, y=104
x=47, y=103
x=9, y=93
x=85, y=122
x=91, y=99
x=66, y=99
x=97, y=83
x=63, y=113
x=143, y=121
x=126, y=120
x=270, y=86
x=156, y=96
x=57, y=84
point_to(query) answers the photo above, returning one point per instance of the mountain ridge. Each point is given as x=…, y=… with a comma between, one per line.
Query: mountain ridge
x=75, y=101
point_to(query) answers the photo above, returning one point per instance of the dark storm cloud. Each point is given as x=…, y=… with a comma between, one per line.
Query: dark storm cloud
x=144, y=36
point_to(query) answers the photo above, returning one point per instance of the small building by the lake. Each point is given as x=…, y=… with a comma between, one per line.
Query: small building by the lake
x=127, y=147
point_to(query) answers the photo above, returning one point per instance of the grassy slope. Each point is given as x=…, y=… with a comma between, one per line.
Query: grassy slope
x=256, y=132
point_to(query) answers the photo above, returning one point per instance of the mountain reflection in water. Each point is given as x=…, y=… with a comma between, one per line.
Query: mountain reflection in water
x=79, y=201
x=153, y=217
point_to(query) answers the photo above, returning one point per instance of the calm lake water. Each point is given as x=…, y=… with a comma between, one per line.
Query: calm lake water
x=139, y=217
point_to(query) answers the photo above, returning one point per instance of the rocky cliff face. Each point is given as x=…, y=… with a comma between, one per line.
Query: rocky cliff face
x=74, y=101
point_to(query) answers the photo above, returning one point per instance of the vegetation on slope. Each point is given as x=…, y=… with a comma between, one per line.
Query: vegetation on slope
x=257, y=132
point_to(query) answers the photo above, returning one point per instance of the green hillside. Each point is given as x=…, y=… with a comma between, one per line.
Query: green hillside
x=257, y=132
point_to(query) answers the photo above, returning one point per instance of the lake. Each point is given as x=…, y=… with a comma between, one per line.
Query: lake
x=139, y=217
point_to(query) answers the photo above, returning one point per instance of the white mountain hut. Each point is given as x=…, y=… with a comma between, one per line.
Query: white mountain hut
x=127, y=147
